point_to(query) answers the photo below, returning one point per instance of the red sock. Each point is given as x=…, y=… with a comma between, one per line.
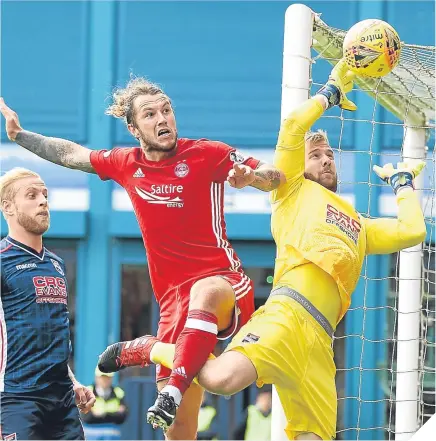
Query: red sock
x=195, y=343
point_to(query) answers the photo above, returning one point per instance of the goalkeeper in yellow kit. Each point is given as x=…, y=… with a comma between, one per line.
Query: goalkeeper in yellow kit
x=321, y=243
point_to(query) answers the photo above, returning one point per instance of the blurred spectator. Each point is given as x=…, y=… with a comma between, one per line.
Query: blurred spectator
x=256, y=424
x=207, y=422
x=109, y=410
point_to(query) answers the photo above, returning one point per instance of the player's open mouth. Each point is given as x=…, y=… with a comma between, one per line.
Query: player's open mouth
x=163, y=133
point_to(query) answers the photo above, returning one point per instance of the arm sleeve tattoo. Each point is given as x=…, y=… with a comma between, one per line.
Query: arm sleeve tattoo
x=267, y=178
x=56, y=150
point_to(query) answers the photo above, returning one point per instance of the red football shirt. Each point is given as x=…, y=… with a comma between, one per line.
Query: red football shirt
x=179, y=204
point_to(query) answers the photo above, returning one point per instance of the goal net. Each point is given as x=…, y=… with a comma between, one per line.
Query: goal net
x=385, y=346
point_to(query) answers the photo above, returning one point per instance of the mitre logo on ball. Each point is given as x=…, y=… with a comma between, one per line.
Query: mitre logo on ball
x=372, y=48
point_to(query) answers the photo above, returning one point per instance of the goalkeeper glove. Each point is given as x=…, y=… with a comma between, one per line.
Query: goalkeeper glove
x=400, y=177
x=340, y=82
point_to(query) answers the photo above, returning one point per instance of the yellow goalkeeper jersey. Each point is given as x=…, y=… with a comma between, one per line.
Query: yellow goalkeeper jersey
x=321, y=239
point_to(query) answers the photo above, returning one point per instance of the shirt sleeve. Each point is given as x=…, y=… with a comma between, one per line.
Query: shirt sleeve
x=223, y=157
x=109, y=163
x=385, y=236
x=289, y=156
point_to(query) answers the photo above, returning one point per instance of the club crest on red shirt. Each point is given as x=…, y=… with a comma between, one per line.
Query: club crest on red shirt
x=181, y=169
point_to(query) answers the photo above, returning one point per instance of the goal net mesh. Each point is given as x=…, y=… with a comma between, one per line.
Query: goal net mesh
x=365, y=342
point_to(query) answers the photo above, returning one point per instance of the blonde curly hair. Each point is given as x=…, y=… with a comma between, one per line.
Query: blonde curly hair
x=123, y=98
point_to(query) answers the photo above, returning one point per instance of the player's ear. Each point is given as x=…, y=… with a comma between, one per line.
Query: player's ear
x=7, y=207
x=133, y=130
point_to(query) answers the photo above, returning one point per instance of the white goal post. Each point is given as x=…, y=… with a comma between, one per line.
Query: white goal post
x=297, y=61
x=408, y=93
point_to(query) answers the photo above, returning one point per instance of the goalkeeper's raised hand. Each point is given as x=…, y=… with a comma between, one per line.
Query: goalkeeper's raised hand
x=399, y=177
x=340, y=82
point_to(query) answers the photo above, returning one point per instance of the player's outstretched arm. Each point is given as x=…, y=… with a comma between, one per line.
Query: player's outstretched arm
x=265, y=177
x=384, y=236
x=290, y=153
x=289, y=156
x=56, y=150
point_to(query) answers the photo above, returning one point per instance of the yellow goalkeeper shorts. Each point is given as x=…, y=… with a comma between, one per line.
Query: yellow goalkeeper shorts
x=291, y=350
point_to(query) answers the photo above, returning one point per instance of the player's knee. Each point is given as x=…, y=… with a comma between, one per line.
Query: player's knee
x=225, y=387
x=210, y=293
x=219, y=382
x=228, y=374
x=205, y=288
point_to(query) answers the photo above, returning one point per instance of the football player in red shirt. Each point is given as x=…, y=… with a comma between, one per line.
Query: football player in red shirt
x=176, y=187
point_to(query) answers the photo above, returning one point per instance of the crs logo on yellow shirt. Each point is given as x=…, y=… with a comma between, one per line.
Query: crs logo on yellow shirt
x=351, y=227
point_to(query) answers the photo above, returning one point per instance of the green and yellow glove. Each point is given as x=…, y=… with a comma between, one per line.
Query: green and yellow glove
x=399, y=177
x=340, y=82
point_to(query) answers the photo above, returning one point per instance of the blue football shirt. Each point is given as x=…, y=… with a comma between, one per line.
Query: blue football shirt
x=34, y=320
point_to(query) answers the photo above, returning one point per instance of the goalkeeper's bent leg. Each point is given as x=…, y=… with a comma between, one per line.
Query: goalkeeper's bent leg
x=226, y=375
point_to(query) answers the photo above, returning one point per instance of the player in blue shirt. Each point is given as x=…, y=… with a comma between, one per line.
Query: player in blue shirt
x=40, y=396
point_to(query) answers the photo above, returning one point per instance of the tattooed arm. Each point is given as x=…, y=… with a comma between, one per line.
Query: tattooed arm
x=267, y=177
x=59, y=151
x=56, y=150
